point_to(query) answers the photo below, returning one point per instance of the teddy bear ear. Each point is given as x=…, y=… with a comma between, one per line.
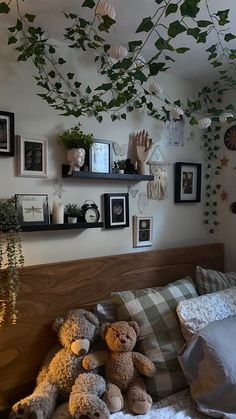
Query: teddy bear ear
x=103, y=330
x=135, y=326
x=58, y=322
x=91, y=317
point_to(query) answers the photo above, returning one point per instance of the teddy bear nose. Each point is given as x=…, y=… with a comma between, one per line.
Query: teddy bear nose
x=123, y=340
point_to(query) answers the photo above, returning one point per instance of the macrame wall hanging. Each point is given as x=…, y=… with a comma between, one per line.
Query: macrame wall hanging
x=158, y=167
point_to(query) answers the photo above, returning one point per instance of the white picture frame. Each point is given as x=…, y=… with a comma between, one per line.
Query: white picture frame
x=142, y=231
x=32, y=157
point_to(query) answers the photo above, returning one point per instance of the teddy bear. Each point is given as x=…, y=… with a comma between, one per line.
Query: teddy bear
x=123, y=368
x=76, y=331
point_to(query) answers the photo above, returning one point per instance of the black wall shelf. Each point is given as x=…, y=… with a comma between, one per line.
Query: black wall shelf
x=104, y=176
x=54, y=227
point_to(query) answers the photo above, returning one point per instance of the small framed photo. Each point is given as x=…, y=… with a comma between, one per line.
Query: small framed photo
x=116, y=208
x=7, y=134
x=188, y=182
x=32, y=157
x=100, y=156
x=32, y=209
x=142, y=231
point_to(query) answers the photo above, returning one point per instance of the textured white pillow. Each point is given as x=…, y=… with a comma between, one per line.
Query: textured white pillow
x=196, y=313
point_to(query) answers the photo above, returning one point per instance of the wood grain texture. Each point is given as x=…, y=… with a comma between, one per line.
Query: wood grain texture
x=51, y=289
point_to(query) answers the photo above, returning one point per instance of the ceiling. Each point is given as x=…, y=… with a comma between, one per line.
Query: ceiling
x=192, y=65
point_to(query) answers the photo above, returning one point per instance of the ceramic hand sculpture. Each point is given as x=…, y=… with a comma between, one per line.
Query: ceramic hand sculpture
x=142, y=145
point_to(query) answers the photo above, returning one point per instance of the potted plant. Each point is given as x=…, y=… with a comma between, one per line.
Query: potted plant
x=120, y=165
x=72, y=211
x=11, y=258
x=77, y=143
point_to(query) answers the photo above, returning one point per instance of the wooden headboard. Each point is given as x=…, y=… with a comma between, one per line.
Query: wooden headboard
x=49, y=290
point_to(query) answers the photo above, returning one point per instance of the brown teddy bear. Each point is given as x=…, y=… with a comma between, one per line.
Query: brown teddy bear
x=122, y=367
x=76, y=331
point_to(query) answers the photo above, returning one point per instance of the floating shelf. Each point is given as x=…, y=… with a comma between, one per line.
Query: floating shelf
x=54, y=227
x=105, y=176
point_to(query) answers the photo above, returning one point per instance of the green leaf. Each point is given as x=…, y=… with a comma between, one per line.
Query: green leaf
x=77, y=84
x=12, y=40
x=19, y=25
x=70, y=75
x=88, y=3
x=52, y=74
x=182, y=50
x=88, y=90
x=229, y=37
x=193, y=32
x=123, y=116
x=146, y=25
x=107, y=22
x=104, y=86
x=175, y=29
x=114, y=117
x=51, y=50
x=61, y=61
x=133, y=45
x=99, y=118
x=30, y=17
x=4, y=8
x=171, y=8
x=159, y=1
x=203, y=23
x=155, y=68
x=223, y=16
x=190, y=8
x=202, y=37
x=193, y=121
x=162, y=44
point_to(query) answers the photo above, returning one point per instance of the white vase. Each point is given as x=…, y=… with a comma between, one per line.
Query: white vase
x=72, y=220
x=57, y=213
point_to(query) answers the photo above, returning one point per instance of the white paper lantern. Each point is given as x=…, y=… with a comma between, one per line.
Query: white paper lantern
x=204, y=123
x=106, y=9
x=225, y=116
x=118, y=52
x=156, y=89
x=176, y=112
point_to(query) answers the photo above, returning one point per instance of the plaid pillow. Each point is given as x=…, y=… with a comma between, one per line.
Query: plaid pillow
x=160, y=336
x=211, y=281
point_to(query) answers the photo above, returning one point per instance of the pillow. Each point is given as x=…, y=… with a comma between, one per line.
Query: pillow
x=209, y=364
x=196, y=313
x=105, y=311
x=160, y=336
x=211, y=281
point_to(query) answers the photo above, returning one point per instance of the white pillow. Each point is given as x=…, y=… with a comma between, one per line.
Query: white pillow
x=196, y=313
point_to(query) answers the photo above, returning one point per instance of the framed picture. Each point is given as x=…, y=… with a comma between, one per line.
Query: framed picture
x=116, y=208
x=142, y=231
x=32, y=209
x=32, y=157
x=100, y=156
x=7, y=134
x=188, y=182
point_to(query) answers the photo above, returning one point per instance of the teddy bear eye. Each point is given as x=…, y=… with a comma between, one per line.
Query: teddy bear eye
x=127, y=336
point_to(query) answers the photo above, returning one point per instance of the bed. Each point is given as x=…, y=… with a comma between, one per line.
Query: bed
x=51, y=289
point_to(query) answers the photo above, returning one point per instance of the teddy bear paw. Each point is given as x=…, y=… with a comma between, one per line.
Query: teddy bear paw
x=141, y=405
x=29, y=408
x=88, y=406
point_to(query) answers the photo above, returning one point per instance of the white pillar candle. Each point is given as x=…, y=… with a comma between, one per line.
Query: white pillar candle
x=57, y=213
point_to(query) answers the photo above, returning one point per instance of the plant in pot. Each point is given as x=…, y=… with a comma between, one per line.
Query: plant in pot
x=11, y=258
x=77, y=143
x=72, y=211
x=120, y=165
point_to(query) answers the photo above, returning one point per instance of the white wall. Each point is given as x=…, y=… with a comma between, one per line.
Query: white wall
x=174, y=225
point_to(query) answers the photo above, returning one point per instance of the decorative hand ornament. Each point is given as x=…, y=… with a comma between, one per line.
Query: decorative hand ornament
x=142, y=145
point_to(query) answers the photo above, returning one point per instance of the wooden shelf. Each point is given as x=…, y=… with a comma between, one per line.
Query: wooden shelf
x=66, y=226
x=105, y=176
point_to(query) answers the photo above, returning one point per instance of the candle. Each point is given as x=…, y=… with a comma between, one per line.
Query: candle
x=57, y=212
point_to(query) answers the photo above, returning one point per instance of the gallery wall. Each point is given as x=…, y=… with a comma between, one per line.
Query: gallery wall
x=173, y=224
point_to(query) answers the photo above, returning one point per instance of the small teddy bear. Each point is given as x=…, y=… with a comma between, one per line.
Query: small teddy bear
x=122, y=367
x=76, y=331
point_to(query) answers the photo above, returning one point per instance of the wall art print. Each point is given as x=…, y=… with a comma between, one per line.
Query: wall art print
x=188, y=182
x=175, y=133
x=32, y=157
x=7, y=134
x=142, y=231
x=116, y=208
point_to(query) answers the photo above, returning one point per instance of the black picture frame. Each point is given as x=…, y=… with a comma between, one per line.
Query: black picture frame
x=100, y=161
x=116, y=209
x=7, y=134
x=188, y=179
x=37, y=211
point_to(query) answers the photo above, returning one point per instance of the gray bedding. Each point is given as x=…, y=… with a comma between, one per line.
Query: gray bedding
x=209, y=364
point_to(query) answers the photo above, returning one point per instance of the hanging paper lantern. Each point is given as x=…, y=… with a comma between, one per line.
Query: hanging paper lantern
x=224, y=117
x=156, y=89
x=176, y=112
x=118, y=51
x=106, y=9
x=204, y=123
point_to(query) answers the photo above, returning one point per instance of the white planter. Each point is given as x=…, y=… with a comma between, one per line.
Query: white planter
x=72, y=220
x=121, y=171
x=57, y=213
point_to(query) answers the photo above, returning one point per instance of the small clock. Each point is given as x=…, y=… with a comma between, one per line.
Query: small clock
x=90, y=212
x=230, y=138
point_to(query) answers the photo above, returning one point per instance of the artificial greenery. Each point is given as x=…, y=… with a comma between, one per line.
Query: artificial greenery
x=11, y=258
x=76, y=138
x=72, y=210
x=120, y=164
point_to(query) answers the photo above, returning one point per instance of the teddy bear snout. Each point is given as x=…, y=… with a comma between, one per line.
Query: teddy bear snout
x=80, y=347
